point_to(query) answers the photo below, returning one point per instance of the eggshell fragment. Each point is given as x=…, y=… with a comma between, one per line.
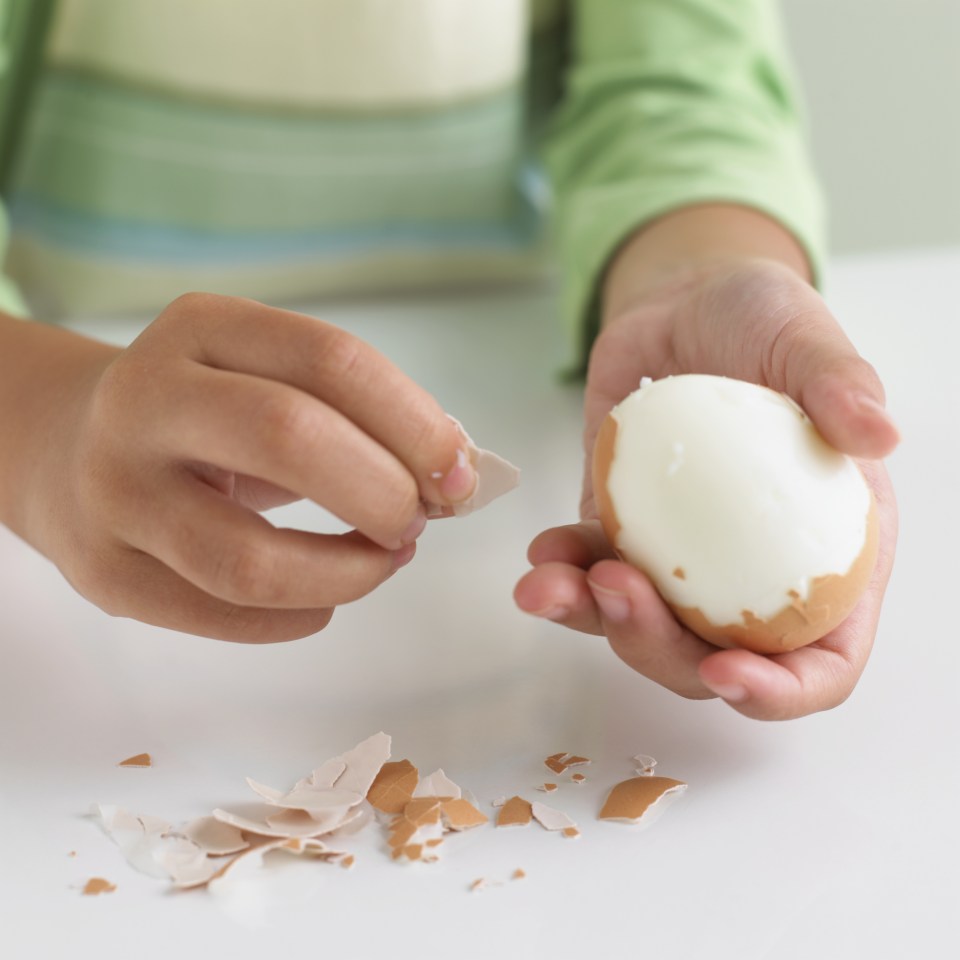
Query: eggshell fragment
x=495, y=477
x=213, y=837
x=187, y=864
x=550, y=818
x=460, y=814
x=634, y=800
x=394, y=786
x=559, y=762
x=754, y=530
x=139, y=838
x=437, y=784
x=516, y=812
x=328, y=802
x=362, y=764
x=248, y=863
x=313, y=801
x=645, y=764
x=97, y=885
x=140, y=760
x=291, y=824
x=417, y=832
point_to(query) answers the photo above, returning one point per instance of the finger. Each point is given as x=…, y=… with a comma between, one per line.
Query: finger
x=846, y=404
x=259, y=495
x=814, y=678
x=810, y=679
x=559, y=592
x=143, y=589
x=624, y=352
x=344, y=372
x=643, y=632
x=237, y=556
x=809, y=357
x=767, y=688
x=279, y=434
x=580, y=544
x=822, y=675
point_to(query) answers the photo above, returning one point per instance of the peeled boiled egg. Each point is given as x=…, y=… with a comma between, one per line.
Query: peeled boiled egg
x=755, y=531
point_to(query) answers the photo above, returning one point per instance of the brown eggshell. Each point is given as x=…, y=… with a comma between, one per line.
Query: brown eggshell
x=603, y=451
x=830, y=601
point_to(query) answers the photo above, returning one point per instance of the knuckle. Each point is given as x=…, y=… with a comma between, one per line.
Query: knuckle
x=341, y=353
x=114, y=416
x=285, y=424
x=791, y=327
x=244, y=575
x=189, y=303
x=434, y=438
x=179, y=323
x=397, y=504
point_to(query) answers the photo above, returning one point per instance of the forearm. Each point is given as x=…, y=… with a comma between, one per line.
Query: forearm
x=678, y=245
x=40, y=369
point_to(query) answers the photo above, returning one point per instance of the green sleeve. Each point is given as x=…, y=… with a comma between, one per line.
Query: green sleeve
x=10, y=300
x=23, y=29
x=669, y=103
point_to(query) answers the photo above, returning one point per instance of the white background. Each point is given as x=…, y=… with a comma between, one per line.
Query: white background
x=882, y=83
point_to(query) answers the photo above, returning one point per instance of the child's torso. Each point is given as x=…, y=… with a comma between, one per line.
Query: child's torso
x=296, y=149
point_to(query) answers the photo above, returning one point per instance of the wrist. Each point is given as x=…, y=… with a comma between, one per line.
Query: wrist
x=46, y=374
x=679, y=250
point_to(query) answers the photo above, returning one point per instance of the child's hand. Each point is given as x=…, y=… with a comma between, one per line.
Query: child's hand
x=755, y=320
x=146, y=494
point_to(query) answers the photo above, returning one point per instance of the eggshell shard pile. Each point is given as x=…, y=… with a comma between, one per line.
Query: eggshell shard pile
x=754, y=530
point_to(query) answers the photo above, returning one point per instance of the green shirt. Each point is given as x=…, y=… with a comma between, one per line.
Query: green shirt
x=147, y=165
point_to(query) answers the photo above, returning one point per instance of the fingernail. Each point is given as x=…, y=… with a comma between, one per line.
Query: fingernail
x=459, y=482
x=415, y=528
x=556, y=612
x=731, y=692
x=613, y=605
x=404, y=555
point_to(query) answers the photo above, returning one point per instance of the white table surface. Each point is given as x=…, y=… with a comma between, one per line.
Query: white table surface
x=832, y=836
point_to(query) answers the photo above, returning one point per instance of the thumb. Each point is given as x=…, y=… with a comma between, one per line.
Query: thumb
x=838, y=388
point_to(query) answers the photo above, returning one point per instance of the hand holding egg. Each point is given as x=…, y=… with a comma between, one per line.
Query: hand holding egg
x=726, y=573
x=754, y=530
